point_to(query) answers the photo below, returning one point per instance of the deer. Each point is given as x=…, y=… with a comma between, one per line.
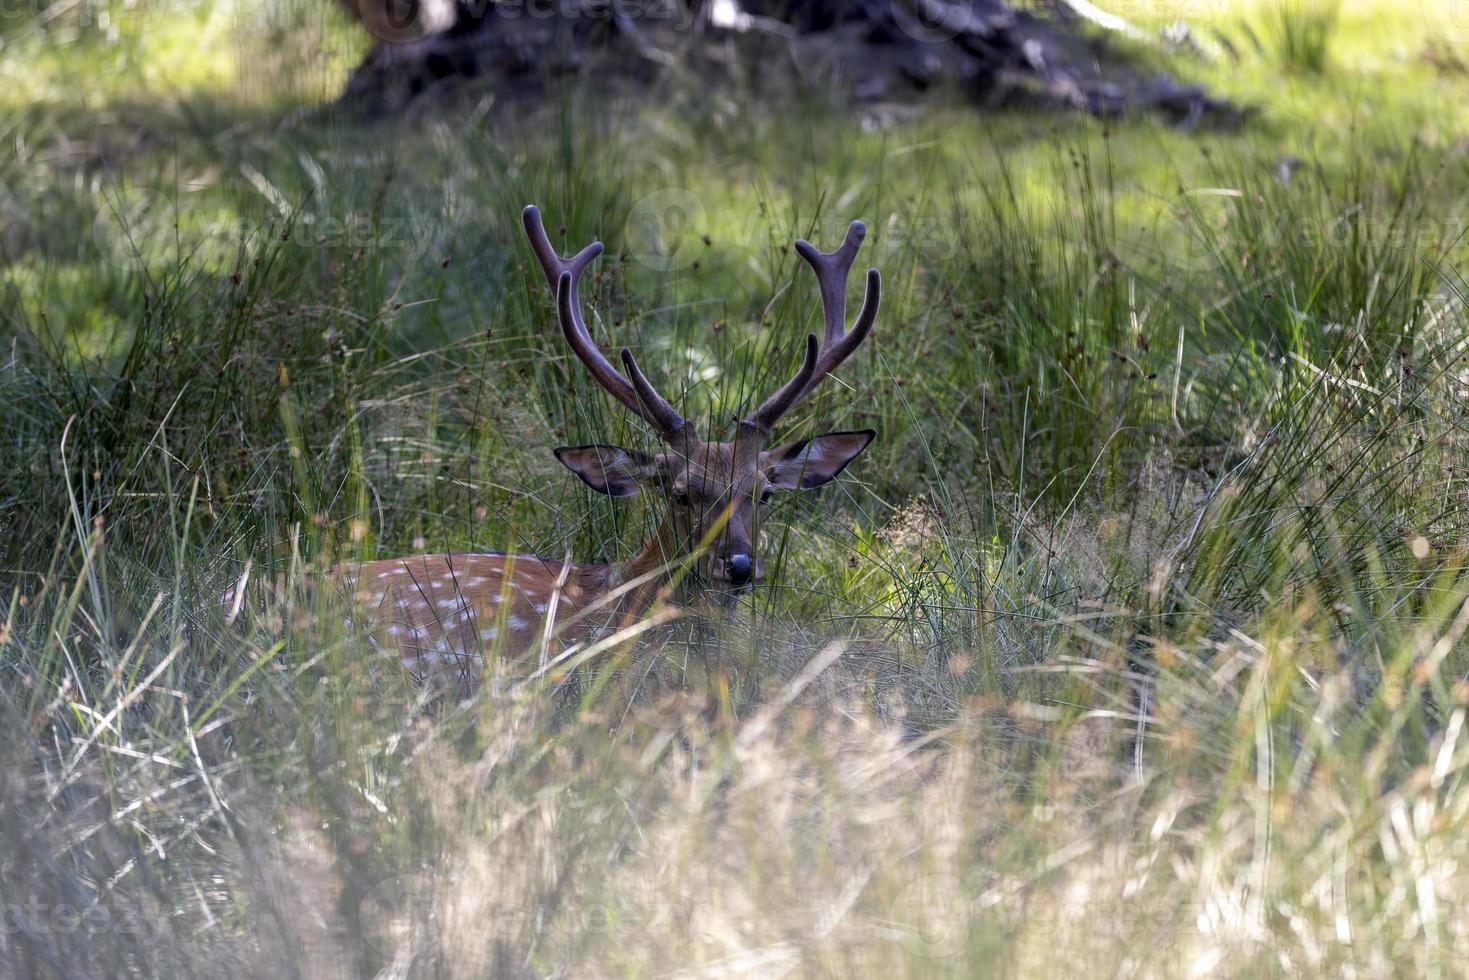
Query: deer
x=441, y=612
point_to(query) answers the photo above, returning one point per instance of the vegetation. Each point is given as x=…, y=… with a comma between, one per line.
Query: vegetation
x=1135, y=644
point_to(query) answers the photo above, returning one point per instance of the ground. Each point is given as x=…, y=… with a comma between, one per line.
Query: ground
x=1134, y=644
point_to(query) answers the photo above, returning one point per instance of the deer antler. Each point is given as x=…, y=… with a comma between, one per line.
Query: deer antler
x=563, y=276
x=832, y=269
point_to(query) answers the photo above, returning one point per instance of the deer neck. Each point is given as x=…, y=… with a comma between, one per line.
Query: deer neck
x=643, y=576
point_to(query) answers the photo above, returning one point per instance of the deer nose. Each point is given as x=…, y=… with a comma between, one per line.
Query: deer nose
x=737, y=569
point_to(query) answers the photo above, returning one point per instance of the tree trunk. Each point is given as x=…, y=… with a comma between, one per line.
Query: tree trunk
x=877, y=50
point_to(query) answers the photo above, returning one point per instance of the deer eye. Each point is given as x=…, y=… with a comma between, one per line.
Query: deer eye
x=765, y=496
x=681, y=498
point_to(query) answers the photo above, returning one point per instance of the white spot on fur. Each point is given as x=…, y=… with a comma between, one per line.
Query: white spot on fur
x=516, y=623
x=395, y=630
x=449, y=603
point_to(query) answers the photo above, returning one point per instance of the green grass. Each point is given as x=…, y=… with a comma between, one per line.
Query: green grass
x=1302, y=31
x=1167, y=422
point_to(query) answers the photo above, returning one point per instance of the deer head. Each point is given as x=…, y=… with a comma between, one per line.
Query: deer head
x=716, y=491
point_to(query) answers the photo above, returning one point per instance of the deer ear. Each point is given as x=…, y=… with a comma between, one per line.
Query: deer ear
x=810, y=463
x=612, y=470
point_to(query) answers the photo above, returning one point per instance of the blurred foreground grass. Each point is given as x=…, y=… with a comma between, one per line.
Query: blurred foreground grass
x=1135, y=645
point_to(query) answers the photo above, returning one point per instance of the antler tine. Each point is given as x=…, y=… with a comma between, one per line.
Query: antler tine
x=832, y=269
x=563, y=276
x=555, y=269
x=779, y=403
x=551, y=263
x=834, y=352
x=671, y=425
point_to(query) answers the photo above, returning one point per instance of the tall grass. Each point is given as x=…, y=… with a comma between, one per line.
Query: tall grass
x=1301, y=32
x=1134, y=645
